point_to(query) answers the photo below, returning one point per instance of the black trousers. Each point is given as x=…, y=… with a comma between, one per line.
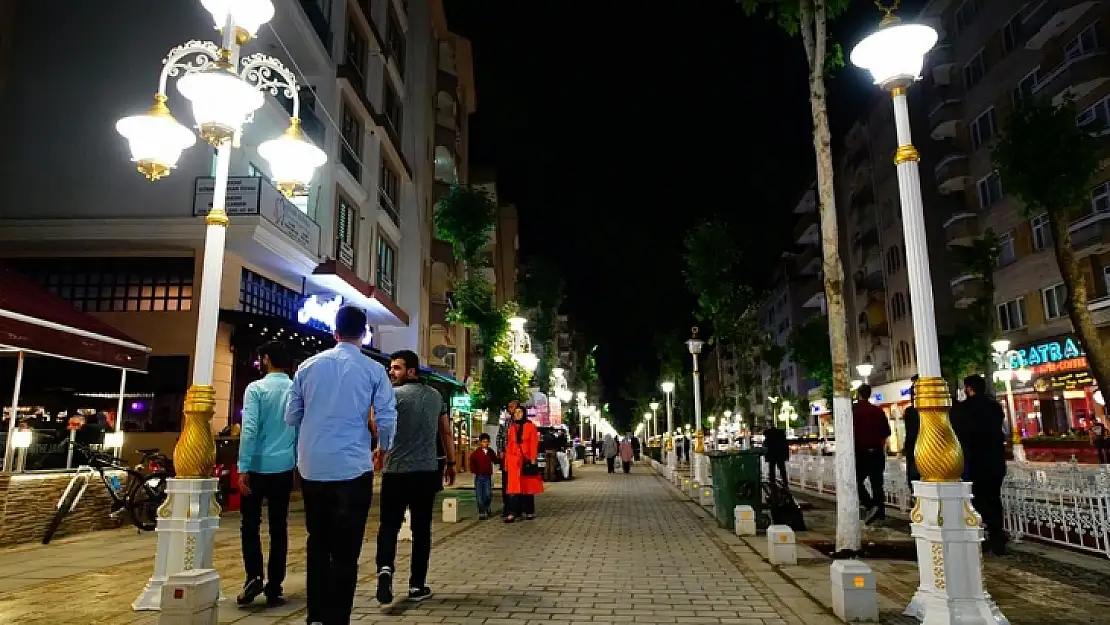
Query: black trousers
x=626, y=466
x=870, y=464
x=780, y=465
x=987, y=498
x=274, y=489
x=611, y=463
x=504, y=497
x=415, y=492
x=335, y=516
x=521, y=504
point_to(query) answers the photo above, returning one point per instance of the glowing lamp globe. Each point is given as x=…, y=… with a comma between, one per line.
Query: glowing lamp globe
x=654, y=405
x=1024, y=375
x=695, y=345
x=1001, y=346
x=293, y=160
x=221, y=100
x=248, y=15
x=865, y=369
x=895, y=53
x=667, y=387
x=517, y=323
x=581, y=395
x=528, y=361
x=156, y=139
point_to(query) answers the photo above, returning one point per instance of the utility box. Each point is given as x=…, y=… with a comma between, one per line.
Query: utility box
x=780, y=545
x=450, y=510
x=853, y=591
x=745, y=520
x=191, y=598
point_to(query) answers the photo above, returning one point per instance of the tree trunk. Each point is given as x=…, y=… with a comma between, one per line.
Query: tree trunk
x=814, y=34
x=1076, y=302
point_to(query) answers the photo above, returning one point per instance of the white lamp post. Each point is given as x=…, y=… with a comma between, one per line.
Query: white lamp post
x=694, y=345
x=948, y=555
x=654, y=418
x=668, y=389
x=224, y=92
x=1006, y=372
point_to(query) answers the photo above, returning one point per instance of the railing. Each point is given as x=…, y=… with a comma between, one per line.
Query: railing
x=1065, y=503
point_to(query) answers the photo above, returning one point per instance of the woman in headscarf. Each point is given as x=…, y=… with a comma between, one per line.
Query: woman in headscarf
x=522, y=445
x=626, y=454
x=610, y=449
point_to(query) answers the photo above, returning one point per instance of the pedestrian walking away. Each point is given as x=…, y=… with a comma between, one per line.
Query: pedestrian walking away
x=411, y=477
x=610, y=449
x=978, y=422
x=525, y=479
x=481, y=465
x=338, y=397
x=267, y=456
x=775, y=452
x=872, y=431
x=626, y=454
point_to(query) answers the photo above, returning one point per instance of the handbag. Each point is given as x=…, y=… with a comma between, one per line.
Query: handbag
x=527, y=468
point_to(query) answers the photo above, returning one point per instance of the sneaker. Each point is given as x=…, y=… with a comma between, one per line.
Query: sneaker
x=419, y=594
x=482, y=516
x=251, y=589
x=274, y=601
x=385, y=586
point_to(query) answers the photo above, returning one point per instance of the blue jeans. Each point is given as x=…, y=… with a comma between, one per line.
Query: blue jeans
x=483, y=492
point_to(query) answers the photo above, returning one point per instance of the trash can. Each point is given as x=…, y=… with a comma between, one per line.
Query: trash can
x=736, y=481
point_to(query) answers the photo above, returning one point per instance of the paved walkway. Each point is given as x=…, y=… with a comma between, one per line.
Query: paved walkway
x=605, y=549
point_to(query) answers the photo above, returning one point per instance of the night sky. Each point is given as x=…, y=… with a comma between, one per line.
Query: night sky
x=615, y=125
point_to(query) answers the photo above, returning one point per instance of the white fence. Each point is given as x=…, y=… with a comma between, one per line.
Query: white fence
x=1064, y=503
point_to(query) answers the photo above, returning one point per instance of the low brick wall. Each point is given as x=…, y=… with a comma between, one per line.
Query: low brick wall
x=27, y=503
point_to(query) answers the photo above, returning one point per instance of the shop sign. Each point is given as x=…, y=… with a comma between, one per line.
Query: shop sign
x=251, y=195
x=460, y=402
x=1065, y=382
x=319, y=313
x=1058, y=350
x=243, y=193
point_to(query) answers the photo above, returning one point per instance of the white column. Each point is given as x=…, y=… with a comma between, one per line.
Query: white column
x=212, y=275
x=672, y=461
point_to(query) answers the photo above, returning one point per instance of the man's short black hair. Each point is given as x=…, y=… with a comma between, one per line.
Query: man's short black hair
x=350, y=323
x=278, y=353
x=483, y=436
x=412, y=361
x=977, y=383
x=864, y=391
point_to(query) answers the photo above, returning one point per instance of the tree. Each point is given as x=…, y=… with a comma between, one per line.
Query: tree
x=1047, y=161
x=810, y=19
x=541, y=294
x=967, y=348
x=771, y=354
x=809, y=348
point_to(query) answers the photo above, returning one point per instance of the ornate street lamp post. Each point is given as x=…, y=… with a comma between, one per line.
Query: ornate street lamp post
x=224, y=91
x=668, y=445
x=945, y=526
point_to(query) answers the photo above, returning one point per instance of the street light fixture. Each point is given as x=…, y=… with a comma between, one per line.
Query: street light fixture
x=668, y=391
x=694, y=345
x=895, y=55
x=864, y=370
x=224, y=92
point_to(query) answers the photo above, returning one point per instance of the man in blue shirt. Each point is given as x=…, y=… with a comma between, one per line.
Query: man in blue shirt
x=267, y=455
x=331, y=401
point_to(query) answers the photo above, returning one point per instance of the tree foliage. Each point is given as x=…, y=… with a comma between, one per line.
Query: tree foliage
x=809, y=348
x=967, y=348
x=540, y=292
x=465, y=217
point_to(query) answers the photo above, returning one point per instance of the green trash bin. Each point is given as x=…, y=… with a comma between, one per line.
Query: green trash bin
x=736, y=482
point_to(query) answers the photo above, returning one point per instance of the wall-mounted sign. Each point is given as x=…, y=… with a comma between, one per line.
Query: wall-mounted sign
x=461, y=402
x=320, y=313
x=1045, y=352
x=251, y=195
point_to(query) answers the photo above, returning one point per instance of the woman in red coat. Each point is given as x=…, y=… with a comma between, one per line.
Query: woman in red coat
x=522, y=443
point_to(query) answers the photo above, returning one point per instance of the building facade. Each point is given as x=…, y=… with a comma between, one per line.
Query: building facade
x=82, y=221
x=992, y=56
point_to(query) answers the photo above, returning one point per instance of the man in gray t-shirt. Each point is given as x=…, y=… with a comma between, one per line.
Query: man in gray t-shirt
x=412, y=477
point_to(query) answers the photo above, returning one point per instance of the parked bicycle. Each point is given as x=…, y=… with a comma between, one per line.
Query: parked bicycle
x=140, y=497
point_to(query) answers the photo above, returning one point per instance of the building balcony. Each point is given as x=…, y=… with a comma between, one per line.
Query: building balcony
x=961, y=229
x=966, y=289
x=808, y=261
x=869, y=282
x=807, y=231
x=808, y=203
x=811, y=293
x=1079, y=75
x=447, y=82
x=942, y=63
x=1053, y=19
x=952, y=173
x=1090, y=234
x=946, y=113
x=437, y=312
x=443, y=252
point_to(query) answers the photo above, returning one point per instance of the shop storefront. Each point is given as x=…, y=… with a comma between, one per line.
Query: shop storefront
x=1061, y=395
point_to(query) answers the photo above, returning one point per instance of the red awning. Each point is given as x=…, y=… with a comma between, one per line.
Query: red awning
x=36, y=321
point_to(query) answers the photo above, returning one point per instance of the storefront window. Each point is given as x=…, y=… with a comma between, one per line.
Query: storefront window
x=262, y=296
x=115, y=284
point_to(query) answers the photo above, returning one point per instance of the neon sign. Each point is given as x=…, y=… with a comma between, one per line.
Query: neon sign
x=1045, y=352
x=322, y=313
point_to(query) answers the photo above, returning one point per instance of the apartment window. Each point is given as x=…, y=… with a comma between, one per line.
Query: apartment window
x=387, y=267
x=346, y=224
x=116, y=284
x=356, y=50
x=352, y=143
x=974, y=71
x=893, y=260
x=396, y=41
x=1010, y=34
x=1096, y=117
x=1007, y=253
x=1042, y=236
x=1100, y=198
x=990, y=190
x=1011, y=315
x=1053, y=298
x=965, y=15
x=905, y=354
x=982, y=129
x=389, y=193
x=1084, y=42
x=898, y=306
x=393, y=106
x=262, y=296
x=1023, y=92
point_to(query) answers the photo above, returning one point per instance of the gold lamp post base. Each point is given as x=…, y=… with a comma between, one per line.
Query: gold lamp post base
x=938, y=455
x=195, y=453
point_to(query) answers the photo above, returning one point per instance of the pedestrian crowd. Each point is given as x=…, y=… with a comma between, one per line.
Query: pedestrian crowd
x=334, y=421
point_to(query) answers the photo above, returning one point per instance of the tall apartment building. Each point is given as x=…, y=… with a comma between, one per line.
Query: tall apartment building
x=991, y=57
x=81, y=220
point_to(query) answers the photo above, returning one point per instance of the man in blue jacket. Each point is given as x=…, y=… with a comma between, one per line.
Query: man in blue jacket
x=267, y=456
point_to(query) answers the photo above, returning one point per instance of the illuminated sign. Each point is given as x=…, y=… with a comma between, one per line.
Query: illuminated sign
x=322, y=313
x=1045, y=352
x=460, y=402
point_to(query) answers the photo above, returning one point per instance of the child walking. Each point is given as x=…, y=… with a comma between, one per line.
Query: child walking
x=481, y=465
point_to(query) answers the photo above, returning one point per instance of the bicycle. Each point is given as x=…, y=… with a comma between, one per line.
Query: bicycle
x=140, y=498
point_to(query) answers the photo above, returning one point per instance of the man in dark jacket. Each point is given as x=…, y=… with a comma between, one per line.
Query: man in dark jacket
x=912, y=420
x=775, y=452
x=872, y=431
x=978, y=422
